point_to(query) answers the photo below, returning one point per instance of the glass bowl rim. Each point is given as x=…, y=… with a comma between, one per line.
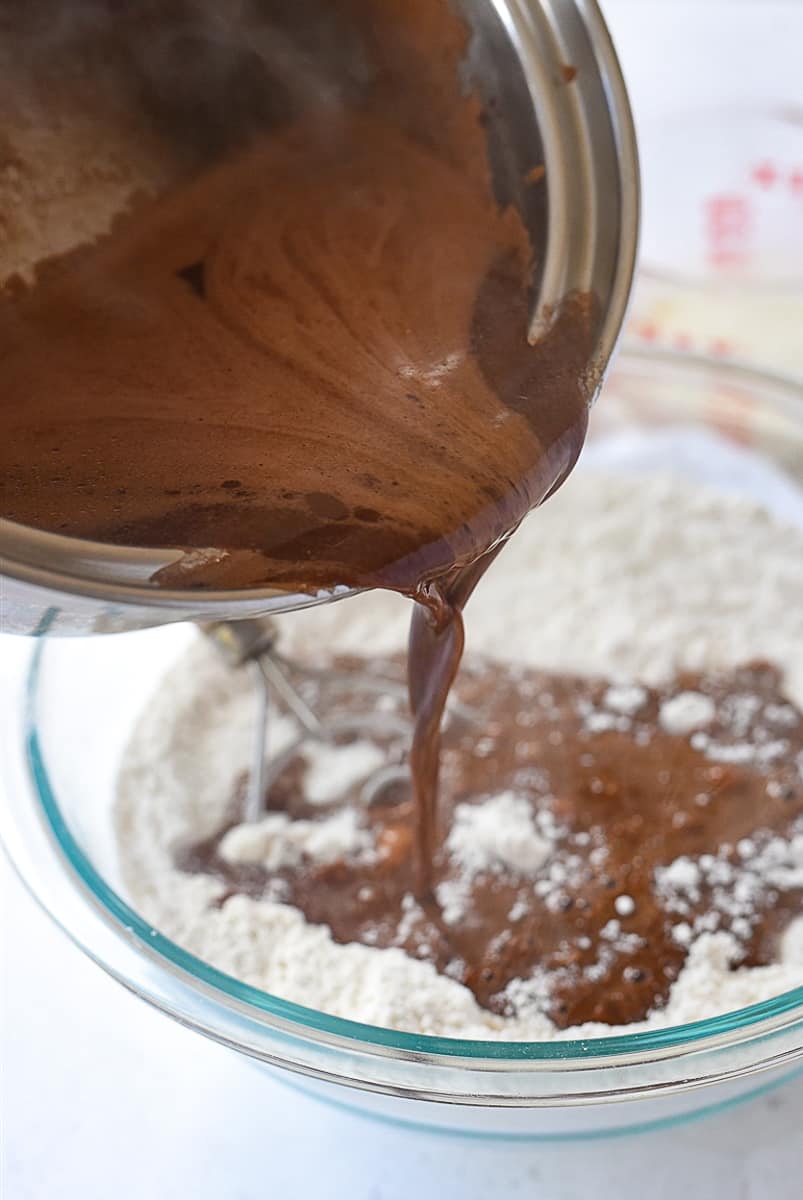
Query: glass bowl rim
x=309, y=1021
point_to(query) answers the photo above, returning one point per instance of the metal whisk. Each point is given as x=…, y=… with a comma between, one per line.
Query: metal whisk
x=252, y=645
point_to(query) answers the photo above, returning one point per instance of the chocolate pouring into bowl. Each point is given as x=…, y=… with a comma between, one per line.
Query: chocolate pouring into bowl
x=332, y=324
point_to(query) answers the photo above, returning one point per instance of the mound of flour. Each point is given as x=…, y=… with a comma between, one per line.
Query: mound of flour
x=626, y=575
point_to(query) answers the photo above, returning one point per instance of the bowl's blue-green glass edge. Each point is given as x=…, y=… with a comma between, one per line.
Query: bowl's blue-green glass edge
x=635, y=1129
x=312, y=1019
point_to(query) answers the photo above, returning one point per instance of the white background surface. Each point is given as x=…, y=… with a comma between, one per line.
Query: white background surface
x=102, y=1097
x=106, y=1099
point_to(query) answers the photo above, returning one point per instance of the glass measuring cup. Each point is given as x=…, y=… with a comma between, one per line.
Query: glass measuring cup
x=721, y=269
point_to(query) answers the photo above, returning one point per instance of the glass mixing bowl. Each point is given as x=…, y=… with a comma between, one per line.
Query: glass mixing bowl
x=77, y=702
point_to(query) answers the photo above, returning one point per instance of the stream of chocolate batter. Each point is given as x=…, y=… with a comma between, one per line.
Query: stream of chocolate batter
x=302, y=356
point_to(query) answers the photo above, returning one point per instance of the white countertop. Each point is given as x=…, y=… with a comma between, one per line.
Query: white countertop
x=103, y=1097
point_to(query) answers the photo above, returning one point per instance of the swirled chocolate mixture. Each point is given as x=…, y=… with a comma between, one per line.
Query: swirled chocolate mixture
x=304, y=343
x=588, y=832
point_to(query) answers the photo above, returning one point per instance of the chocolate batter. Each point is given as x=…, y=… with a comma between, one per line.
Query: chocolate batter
x=308, y=352
x=620, y=798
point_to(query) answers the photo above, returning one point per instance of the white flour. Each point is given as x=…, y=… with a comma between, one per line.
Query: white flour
x=763, y=863
x=626, y=576
x=498, y=835
x=277, y=841
x=500, y=832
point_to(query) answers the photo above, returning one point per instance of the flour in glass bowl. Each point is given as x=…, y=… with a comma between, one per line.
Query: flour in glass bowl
x=627, y=576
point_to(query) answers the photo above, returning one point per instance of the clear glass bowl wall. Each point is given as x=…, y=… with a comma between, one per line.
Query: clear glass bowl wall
x=74, y=714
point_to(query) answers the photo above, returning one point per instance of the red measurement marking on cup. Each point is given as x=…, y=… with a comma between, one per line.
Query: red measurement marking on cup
x=728, y=221
x=721, y=347
x=765, y=175
x=684, y=341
